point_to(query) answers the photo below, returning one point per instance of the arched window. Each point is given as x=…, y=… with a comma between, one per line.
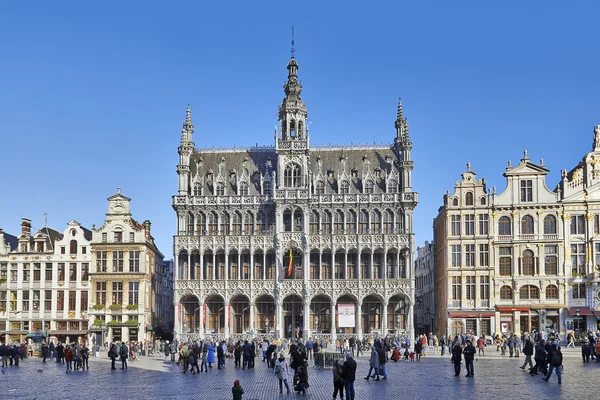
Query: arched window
x=243, y=189
x=220, y=190
x=224, y=224
x=506, y=293
x=363, y=221
x=392, y=186
x=344, y=187
x=236, y=223
x=388, y=221
x=298, y=220
x=338, y=221
x=292, y=176
x=287, y=220
x=267, y=188
x=527, y=263
x=326, y=222
x=248, y=223
x=455, y=202
x=314, y=221
x=368, y=186
x=350, y=222
x=197, y=189
x=529, y=292
x=320, y=187
x=73, y=247
x=375, y=221
x=469, y=199
x=504, y=226
x=261, y=222
x=213, y=221
x=200, y=224
x=483, y=201
x=552, y=292
x=549, y=225
x=527, y=225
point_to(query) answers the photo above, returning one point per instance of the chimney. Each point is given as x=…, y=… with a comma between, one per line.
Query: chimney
x=25, y=226
x=146, y=225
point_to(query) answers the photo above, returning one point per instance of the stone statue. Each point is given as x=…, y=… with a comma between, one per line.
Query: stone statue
x=596, y=137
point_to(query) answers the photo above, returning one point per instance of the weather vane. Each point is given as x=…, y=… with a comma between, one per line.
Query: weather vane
x=293, y=41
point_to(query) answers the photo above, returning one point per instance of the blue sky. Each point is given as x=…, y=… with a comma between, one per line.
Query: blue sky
x=92, y=96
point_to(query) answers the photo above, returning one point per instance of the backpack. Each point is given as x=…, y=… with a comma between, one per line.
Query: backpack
x=555, y=359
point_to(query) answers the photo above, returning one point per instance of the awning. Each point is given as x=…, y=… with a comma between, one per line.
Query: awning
x=510, y=309
x=471, y=314
x=597, y=314
x=582, y=310
x=67, y=333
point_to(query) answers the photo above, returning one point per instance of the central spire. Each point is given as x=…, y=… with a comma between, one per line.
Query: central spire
x=292, y=111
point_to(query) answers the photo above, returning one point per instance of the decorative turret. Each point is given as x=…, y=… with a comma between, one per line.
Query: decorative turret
x=185, y=150
x=402, y=147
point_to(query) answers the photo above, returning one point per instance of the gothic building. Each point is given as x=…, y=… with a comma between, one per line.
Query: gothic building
x=293, y=240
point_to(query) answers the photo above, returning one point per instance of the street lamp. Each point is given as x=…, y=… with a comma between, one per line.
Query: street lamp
x=578, y=313
x=479, y=318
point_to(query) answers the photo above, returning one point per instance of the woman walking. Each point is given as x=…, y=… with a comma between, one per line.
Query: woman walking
x=282, y=372
x=373, y=364
x=338, y=381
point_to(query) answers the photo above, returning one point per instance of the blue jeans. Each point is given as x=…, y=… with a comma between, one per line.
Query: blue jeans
x=382, y=366
x=349, y=388
x=558, y=372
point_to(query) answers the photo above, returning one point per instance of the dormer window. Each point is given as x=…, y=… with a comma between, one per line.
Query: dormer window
x=118, y=237
x=469, y=199
x=73, y=247
x=104, y=237
x=369, y=186
x=344, y=187
x=220, y=190
x=243, y=189
x=320, y=187
x=267, y=188
x=197, y=189
x=527, y=190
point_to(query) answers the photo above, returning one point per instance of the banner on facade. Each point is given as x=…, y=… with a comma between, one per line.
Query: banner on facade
x=346, y=316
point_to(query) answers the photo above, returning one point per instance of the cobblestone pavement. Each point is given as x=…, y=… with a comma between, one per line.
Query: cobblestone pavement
x=433, y=377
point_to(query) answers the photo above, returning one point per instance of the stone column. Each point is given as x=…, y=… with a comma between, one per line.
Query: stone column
x=306, y=320
x=201, y=328
x=333, y=325
x=239, y=265
x=358, y=323
x=278, y=319
x=411, y=326
x=384, y=322
x=201, y=274
x=214, y=267
x=252, y=317
x=189, y=265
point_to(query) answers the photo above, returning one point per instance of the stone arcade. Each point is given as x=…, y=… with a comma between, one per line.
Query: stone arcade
x=278, y=239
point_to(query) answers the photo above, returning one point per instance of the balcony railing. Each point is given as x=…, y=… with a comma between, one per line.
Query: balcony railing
x=455, y=304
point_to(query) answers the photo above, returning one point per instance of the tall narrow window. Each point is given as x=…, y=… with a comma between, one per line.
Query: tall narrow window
x=37, y=272
x=243, y=189
x=338, y=221
x=375, y=221
x=470, y=224
x=72, y=272
x=578, y=259
x=484, y=287
x=455, y=225
x=48, y=274
x=528, y=267
x=197, y=189
x=483, y=224
x=484, y=255
x=326, y=222
x=470, y=255
x=314, y=222
x=85, y=269
x=83, y=301
x=117, y=292
x=117, y=260
x=220, y=189
x=101, y=293
x=134, y=289
x=392, y=186
x=456, y=255
x=61, y=272
x=48, y=300
x=224, y=224
x=350, y=222
x=134, y=261
x=527, y=190
x=292, y=175
x=213, y=223
x=72, y=300
x=505, y=262
x=101, y=262
x=344, y=187
x=579, y=291
x=388, y=221
x=60, y=300
x=320, y=187
x=368, y=186
x=363, y=221
x=118, y=237
x=470, y=287
x=267, y=188
x=73, y=247
x=551, y=259
x=456, y=288
x=506, y=293
x=236, y=223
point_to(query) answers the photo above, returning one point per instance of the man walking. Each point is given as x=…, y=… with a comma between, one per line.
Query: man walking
x=555, y=364
x=540, y=357
x=528, y=351
x=309, y=348
x=349, y=376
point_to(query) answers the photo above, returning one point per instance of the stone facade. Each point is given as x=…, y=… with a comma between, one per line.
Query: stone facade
x=525, y=259
x=45, y=294
x=274, y=239
x=126, y=281
x=424, y=290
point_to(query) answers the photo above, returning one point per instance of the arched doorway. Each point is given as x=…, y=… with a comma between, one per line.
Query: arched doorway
x=397, y=314
x=293, y=310
x=293, y=270
x=240, y=314
x=371, y=315
x=346, y=314
x=190, y=309
x=265, y=313
x=215, y=314
x=320, y=314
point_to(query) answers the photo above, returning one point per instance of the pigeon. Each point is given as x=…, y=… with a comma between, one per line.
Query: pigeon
x=3, y=372
x=39, y=370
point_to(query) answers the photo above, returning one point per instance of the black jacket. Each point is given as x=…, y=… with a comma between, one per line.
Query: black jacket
x=349, y=370
x=540, y=352
x=381, y=354
x=456, y=354
x=528, y=348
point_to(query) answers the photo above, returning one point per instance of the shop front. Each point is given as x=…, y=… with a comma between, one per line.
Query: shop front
x=579, y=317
x=515, y=320
x=473, y=322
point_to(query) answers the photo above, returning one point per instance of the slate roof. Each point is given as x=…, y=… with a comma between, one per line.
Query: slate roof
x=11, y=240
